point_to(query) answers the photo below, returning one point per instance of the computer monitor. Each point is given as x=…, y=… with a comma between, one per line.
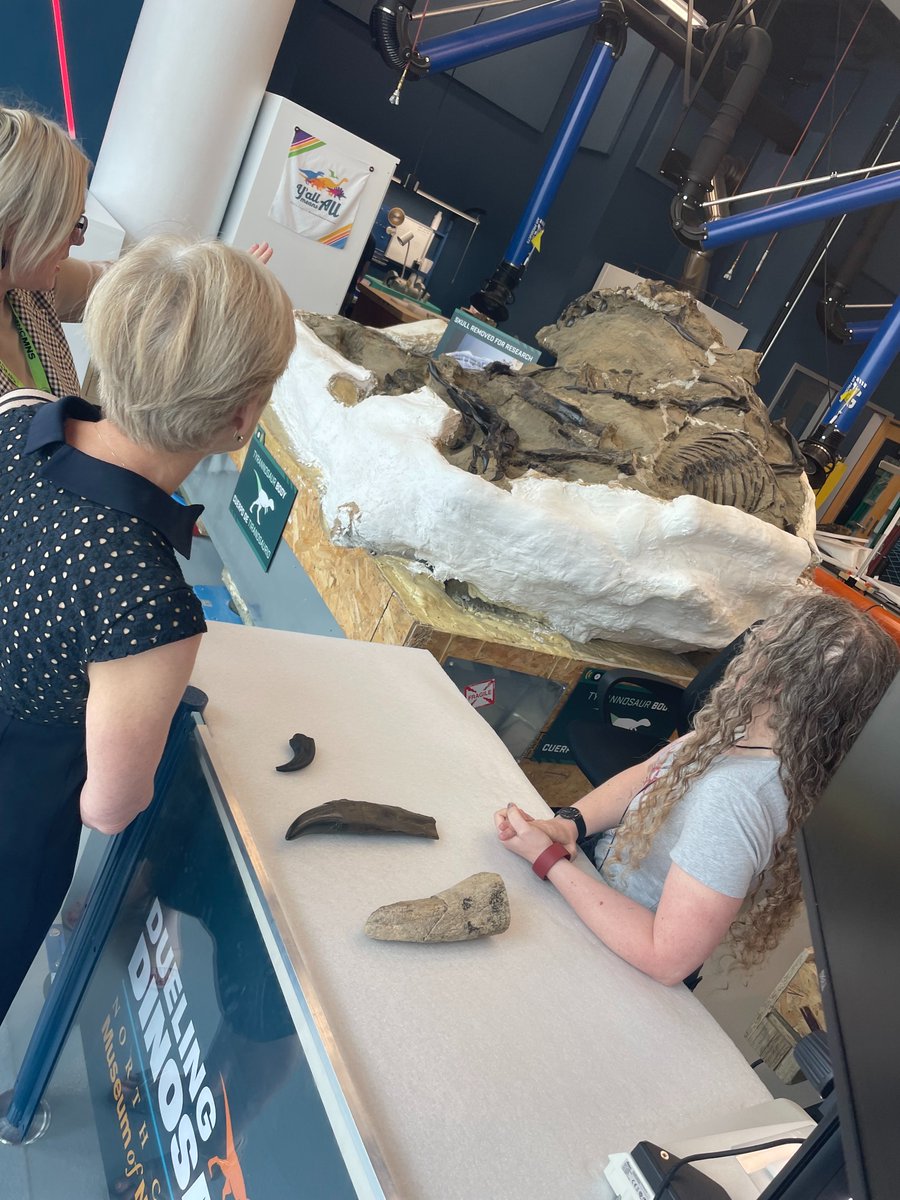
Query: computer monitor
x=850, y=859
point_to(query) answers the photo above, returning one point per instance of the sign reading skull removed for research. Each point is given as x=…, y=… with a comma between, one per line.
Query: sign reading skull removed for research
x=320, y=190
x=262, y=500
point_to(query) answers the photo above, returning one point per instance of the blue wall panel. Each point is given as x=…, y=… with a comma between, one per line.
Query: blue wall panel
x=98, y=34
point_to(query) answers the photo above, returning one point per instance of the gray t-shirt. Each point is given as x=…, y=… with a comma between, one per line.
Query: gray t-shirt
x=722, y=832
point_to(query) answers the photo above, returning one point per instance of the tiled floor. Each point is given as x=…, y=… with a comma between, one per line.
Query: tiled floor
x=66, y=1160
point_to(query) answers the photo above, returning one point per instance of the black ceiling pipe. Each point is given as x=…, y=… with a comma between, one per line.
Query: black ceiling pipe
x=765, y=116
x=752, y=44
x=830, y=309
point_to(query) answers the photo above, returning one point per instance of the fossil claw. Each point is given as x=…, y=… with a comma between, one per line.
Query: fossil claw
x=304, y=749
x=360, y=816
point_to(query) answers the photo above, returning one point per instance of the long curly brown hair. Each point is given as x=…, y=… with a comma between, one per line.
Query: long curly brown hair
x=818, y=669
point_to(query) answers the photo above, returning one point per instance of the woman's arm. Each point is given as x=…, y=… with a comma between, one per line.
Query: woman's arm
x=602, y=809
x=689, y=923
x=73, y=286
x=130, y=706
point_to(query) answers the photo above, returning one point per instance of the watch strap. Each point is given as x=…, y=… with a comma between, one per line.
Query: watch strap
x=548, y=858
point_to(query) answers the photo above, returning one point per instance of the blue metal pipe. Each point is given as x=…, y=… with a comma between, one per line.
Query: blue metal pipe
x=833, y=202
x=870, y=370
x=80, y=956
x=863, y=331
x=589, y=90
x=462, y=46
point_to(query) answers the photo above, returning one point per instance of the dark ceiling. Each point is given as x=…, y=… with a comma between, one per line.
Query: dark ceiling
x=806, y=31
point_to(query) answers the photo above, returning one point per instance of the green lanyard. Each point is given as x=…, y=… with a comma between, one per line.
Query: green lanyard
x=38, y=374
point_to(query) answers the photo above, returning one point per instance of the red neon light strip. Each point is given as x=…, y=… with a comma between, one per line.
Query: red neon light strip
x=63, y=67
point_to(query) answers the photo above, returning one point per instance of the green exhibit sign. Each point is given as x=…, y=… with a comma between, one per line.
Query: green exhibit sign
x=262, y=500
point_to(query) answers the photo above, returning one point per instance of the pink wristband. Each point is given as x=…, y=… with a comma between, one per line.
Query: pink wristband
x=548, y=858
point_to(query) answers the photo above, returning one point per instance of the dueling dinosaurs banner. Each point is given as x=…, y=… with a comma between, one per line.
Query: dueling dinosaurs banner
x=320, y=190
x=199, y=1084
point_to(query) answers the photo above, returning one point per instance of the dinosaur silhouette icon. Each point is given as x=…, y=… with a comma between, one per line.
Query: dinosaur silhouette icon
x=628, y=722
x=230, y=1165
x=263, y=502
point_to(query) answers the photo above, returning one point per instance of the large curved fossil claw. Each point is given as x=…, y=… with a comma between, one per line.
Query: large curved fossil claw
x=304, y=749
x=360, y=816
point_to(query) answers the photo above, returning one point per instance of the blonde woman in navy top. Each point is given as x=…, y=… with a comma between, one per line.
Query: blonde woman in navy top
x=98, y=630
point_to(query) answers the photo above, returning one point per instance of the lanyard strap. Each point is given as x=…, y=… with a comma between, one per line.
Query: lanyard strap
x=38, y=374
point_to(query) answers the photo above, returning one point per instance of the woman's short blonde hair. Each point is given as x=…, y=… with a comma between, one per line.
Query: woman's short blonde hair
x=183, y=334
x=43, y=176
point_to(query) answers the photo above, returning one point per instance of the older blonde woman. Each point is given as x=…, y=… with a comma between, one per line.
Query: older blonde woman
x=43, y=176
x=99, y=628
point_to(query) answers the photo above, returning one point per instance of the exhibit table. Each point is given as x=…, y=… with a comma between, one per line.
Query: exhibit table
x=242, y=1036
x=505, y=1067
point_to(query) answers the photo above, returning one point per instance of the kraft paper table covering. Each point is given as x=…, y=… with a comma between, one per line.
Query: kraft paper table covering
x=504, y=1067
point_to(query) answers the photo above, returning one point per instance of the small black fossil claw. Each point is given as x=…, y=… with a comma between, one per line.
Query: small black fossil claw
x=304, y=749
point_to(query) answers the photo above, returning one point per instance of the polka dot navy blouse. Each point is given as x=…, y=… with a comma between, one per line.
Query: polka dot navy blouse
x=88, y=571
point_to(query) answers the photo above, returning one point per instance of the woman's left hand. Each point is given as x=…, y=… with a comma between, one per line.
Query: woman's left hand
x=261, y=250
x=520, y=833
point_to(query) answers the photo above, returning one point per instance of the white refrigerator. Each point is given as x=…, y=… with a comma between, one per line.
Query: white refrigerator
x=315, y=265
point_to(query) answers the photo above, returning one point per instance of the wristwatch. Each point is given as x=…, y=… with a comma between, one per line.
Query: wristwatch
x=573, y=814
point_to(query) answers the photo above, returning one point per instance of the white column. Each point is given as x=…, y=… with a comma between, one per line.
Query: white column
x=189, y=93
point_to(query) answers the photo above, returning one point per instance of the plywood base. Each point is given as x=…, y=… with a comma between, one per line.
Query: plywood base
x=793, y=1010
x=560, y=784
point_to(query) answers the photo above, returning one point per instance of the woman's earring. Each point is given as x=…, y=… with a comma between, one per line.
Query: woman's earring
x=238, y=437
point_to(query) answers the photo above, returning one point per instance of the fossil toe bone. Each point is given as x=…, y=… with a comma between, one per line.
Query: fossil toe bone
x=475, y=907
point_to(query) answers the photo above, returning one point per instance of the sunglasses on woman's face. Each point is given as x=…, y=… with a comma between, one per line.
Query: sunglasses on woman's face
x=79, y=230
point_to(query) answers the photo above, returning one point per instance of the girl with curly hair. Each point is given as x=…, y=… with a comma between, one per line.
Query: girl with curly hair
x=698, y=842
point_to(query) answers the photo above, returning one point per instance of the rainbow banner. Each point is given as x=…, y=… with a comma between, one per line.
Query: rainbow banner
x=320, y=190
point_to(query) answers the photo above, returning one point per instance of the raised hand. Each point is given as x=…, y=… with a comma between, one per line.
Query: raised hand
x=261, y=250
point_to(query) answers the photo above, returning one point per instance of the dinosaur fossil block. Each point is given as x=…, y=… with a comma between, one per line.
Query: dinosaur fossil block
x=474, y=908
x=635, y=492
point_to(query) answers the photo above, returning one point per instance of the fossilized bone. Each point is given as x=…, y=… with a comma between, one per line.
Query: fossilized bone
x=361, y=816
x=304, y=749
x=474, y=908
